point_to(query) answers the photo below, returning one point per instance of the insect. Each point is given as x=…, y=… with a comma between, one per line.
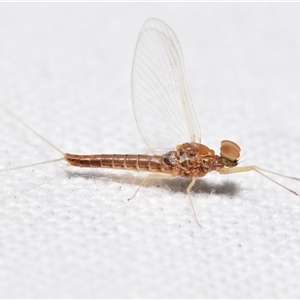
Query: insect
x=165, y=118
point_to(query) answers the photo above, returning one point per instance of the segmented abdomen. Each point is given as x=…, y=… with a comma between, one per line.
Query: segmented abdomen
x=137, y=162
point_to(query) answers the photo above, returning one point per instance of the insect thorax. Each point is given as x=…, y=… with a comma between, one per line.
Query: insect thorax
x=192, y=160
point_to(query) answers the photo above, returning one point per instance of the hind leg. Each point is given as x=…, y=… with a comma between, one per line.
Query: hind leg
x=149, y=176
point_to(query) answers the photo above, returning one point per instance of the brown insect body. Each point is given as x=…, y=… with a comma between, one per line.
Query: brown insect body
x=194, y=160
x=188, y=160
x=163, y=108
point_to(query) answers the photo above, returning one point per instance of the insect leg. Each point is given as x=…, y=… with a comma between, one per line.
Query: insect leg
x=261, y=171
x=149, y=176
x=190, y=198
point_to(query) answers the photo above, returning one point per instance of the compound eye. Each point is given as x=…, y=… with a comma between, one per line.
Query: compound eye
x=230, y=150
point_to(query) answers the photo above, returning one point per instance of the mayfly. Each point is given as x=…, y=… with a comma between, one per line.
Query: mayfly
x=165, y=117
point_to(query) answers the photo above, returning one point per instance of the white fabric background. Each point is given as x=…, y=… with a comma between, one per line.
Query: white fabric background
x=64, y=232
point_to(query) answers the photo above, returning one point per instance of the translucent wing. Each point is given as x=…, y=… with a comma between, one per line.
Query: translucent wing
x=161, y=100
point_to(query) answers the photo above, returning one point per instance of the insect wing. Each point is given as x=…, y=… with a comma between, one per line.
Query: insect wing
x=161, y=100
